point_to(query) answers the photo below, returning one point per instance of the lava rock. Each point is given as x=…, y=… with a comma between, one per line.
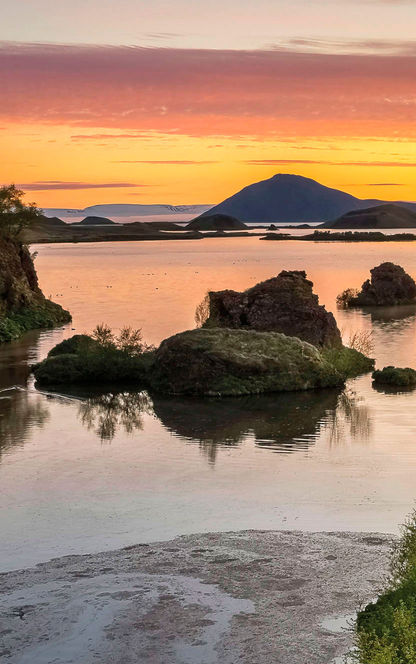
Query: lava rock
x=285, y=303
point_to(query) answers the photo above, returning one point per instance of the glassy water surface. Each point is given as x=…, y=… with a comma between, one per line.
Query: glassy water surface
x=87, y=472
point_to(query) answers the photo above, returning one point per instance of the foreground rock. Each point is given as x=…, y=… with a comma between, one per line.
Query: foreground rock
x=22, y=304
x=285, y=303
x=225, y=362
x=389, y=285
x=253, y=597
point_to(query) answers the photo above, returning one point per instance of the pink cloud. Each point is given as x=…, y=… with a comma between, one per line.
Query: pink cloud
x=204, y=92
x=51, y=185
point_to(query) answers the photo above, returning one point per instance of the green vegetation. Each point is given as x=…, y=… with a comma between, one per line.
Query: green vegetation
x=348, y=361
x=46, y=314
x=386, y=629
x=99, y=358
x=207, y=361
x=226, y=362
x=345, y=298
x=395, y=376
x=15, y=216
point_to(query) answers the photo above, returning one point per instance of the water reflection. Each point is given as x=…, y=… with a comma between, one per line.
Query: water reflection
x=279, y=422
x=106, y=413
x=351, y=418
x=20, y=412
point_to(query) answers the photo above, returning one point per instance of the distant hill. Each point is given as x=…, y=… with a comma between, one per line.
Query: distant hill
x=216, y=222
x=285, y=198
x=380, y=216
x=96, y=221
x=127, y=212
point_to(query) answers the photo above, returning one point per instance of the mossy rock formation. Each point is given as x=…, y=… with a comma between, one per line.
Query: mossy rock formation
x=389, y=285
x=23, y=306
x=395, y=377
x=285, y=303
x=225, y=362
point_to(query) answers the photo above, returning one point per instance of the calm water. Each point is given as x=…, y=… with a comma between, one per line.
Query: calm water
x=87, y=473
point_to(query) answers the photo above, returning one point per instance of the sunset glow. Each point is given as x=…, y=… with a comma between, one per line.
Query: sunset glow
x=164, y=121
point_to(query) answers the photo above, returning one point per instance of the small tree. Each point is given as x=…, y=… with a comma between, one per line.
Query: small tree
x=15, y=216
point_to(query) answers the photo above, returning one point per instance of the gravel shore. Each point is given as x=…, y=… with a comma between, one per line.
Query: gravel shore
x=252, y=597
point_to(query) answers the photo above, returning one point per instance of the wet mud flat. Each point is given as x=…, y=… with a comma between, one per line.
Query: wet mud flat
x=250, y=596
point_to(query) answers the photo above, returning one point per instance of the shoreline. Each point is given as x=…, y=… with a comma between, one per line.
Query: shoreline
x=247, y=596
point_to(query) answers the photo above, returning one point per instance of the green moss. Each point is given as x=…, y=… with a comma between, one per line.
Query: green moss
x=395, y=376
x=91, y=364
x=44, y=315
x=348, y=361
x=74, y=345
x=386, y=629
x=225, y=362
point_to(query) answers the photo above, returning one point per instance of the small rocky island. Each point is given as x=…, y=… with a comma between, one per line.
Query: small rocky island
x=389, y=285
x=275, y=337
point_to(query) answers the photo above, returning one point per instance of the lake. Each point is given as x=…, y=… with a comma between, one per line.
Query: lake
x=85, y=473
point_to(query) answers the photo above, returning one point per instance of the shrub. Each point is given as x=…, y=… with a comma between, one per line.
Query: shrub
x=202, y=312
x=362, y=341
x=344, y=299
x=102, y=358
x=395, y=376
x=386, y=629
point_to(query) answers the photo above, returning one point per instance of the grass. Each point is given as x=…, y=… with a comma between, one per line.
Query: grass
x=386, y=629
x=100, y=358
x=45, y=315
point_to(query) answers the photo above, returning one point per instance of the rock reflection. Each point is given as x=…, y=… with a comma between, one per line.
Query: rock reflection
x=106, y=413
x=283, y=423
x=20, y=411
x=351, y=418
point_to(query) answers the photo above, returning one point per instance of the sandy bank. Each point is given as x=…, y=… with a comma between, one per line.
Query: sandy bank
x=252, y=597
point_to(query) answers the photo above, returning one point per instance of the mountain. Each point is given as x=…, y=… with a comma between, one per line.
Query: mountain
x=127, y=212
x=95, y=221
x=216, y=222
x=380, y=216
x=285, y=198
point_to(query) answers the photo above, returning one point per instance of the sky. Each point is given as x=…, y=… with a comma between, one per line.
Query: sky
x=184, y=101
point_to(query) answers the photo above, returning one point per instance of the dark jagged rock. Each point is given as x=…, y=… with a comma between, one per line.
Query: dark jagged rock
x=216, y=222
x=389, y=285
x=22, y=304
x=285, y=303
x=96, y=221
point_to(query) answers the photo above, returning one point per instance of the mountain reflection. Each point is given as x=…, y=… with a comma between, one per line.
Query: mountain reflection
x=280, y=422
x=106, y=413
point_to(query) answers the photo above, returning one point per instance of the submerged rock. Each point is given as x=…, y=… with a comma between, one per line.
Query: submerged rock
x=389, y=285
x=285, y=303
x=395, y=377
x=22, y=304
x=215, y=361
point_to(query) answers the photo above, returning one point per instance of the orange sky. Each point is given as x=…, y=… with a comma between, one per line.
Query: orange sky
x=97, y=124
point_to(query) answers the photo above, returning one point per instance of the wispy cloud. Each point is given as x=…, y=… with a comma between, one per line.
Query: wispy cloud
x=284, y=162
x=50, y=185
x=171, y=162
x=139, y=91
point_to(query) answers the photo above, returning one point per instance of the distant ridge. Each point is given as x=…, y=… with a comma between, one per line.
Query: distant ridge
x=388, y=215
x=285, y=198
x=129, y=210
